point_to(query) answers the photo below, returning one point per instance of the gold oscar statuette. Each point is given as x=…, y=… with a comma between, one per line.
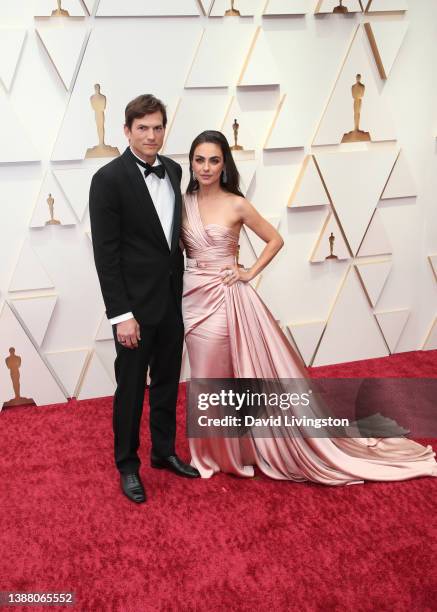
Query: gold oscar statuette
x=51, y=204
x=331, y=247
x=13, y=363
x=232, y=12
x=340, y=8
x=236, y=146
x=357, y=135
x=60, y=12
x=98, y=103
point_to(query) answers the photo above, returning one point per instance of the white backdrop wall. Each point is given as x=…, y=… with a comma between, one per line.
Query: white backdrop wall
x=284, y=68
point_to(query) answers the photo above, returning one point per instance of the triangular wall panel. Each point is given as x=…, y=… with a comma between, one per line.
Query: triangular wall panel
x=245, y=7
x=309, y=189
x=433, y=262
x=322, y=248
x=69, y=366
x=247, y=170
x=35, y=314
x=96, y=381
x=351, y=332
x=306, y=337
x=51, y=195
x=375, y=117
x=105, y=330
x=392, y=324
x=384, y=6
x=106, y=352
x=29, y=273
x=35, y=380
x=15, y=144
x=385, y=39
x=64, y=46
x=257, y=243
x=430, y=343
x=142, y=8
x=375, y=241
x=401, y=183
x=11, y=44
x=91, y=5
x=206, y=71
x=355, y=182
x=203, y=111
x=45, y=8
x=75, y=183
x=254, y=111
x=260, y=67
x=329, y=6
x=373, y=276
x=206, y=6
x=286, y=7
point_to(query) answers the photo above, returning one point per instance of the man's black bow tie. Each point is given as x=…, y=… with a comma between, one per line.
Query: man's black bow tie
x=158, y=170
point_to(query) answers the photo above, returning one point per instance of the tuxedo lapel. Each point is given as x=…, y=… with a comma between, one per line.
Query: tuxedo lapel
x=177, y=217
x=142, y=194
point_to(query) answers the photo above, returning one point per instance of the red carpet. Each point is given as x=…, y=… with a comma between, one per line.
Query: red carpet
x=219, y=544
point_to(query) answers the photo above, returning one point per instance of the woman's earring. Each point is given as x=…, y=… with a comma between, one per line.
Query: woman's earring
x=193, y=176
x=225, y=176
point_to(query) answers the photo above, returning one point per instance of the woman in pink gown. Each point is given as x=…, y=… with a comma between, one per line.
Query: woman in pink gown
x=229, y=332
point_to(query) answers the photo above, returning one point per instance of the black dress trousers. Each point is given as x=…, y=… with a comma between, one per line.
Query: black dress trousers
x=160, y=348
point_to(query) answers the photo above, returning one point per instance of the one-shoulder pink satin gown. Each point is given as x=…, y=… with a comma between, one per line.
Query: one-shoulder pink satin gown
x=229, y=332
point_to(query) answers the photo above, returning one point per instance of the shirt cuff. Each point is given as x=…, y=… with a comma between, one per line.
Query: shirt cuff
x=121, y=318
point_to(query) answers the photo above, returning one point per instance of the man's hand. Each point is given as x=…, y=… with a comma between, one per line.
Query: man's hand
x=128, y=333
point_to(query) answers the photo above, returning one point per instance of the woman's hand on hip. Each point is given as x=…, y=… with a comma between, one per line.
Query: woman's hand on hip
x=233, y=273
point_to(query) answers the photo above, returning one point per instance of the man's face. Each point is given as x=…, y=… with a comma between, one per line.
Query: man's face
x=146, y=135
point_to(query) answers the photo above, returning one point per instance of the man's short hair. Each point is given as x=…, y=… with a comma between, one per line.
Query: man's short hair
x=146, y=104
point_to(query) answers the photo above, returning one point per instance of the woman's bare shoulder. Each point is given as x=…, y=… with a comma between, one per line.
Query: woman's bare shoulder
x=240, y=204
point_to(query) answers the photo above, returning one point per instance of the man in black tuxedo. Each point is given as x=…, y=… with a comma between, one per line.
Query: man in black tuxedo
x=135, y=209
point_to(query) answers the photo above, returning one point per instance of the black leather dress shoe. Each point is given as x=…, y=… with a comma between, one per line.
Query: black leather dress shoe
x=174, y=464
x=132, y=487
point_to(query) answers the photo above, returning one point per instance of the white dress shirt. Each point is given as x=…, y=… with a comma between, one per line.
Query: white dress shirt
x=163, y=199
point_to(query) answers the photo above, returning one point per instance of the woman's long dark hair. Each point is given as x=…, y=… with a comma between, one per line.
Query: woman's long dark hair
x=230, y=172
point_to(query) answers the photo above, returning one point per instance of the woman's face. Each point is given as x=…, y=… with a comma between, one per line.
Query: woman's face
x=207, y=163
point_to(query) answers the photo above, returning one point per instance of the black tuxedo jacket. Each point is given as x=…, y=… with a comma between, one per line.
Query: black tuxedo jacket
x=136, y=268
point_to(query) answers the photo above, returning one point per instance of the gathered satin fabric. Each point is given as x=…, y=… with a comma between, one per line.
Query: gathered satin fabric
x=229, y=332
